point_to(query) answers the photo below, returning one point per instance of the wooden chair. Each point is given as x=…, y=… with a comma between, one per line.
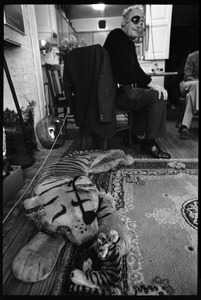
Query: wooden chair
x=127, y=128
x=73, y=77
x=59, y=104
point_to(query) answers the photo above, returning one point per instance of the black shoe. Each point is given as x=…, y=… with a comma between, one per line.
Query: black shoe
x=155, y=151
x=182, y=127
x=184, y=134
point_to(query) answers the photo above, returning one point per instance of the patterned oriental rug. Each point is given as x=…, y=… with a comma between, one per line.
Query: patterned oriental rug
x=158, y=201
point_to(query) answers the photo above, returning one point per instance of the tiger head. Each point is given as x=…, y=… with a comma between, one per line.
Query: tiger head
x=67, y=206
x=105, y=242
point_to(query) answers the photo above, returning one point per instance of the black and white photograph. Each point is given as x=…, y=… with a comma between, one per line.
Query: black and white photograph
x=100, y=134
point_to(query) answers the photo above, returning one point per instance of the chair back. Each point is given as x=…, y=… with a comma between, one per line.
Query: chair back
x=55, y=83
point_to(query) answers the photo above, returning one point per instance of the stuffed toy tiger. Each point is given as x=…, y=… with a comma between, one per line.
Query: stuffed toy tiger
x=66, y=205
x=109, y=275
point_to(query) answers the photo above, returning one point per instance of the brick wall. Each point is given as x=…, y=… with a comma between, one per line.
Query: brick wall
x=22, y=70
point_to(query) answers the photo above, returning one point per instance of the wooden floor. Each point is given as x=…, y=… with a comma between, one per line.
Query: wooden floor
x=17, y=230
x=177, y=147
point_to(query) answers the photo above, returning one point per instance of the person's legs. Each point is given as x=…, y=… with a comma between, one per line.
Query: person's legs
x=149, y=111
x=192, y=105
x=188, y=114
x=149, y=116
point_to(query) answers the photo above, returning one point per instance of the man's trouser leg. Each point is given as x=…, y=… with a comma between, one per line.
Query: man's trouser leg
x=192, y=101
x=149, y=111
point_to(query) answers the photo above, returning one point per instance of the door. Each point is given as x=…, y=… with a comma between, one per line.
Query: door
x=157, y=37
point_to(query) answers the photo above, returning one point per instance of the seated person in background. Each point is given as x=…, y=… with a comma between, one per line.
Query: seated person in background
x=147, y=99
x=189, y=88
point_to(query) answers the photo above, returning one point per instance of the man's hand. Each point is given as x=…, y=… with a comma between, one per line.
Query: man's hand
x=159, y=89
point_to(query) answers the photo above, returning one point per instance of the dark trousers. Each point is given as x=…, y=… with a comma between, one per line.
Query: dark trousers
x=149, y=111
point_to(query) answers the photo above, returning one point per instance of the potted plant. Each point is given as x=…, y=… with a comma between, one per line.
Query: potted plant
x=69, y=44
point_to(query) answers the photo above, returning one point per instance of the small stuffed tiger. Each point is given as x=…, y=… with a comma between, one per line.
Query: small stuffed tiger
x=108, y=276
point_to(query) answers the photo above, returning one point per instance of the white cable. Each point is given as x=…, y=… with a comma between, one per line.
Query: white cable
x=38, y=170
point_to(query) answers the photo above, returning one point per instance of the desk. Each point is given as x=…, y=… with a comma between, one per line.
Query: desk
x=162, y=73
x=159, y=77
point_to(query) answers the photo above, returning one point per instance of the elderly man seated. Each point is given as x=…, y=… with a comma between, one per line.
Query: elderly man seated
x=136, y=91
x=189, y=88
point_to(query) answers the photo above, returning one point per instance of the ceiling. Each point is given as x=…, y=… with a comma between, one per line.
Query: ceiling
x=85, y=11
x=182, y=14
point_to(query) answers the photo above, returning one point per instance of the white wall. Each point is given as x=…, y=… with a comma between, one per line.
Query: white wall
x=46, y=26
x=24, y=66
x=89, y=25
x=88, y=29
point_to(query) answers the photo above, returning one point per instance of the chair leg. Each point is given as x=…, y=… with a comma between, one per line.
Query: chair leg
x=180, y=113
x=83, y=138
x=130, y=123
x=105, y=144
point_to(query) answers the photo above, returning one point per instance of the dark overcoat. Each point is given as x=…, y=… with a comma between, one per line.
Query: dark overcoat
x=89, y=85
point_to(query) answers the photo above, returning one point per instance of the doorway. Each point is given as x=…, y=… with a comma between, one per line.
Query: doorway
x=184, y=39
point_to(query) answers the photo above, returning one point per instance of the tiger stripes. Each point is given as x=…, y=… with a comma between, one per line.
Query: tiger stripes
x=71, y=165
x=84, y=290
x=84, y=162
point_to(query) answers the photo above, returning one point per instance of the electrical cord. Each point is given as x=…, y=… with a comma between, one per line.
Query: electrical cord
x=38, y=170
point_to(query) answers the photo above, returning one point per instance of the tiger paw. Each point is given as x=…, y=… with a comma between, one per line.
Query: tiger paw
x=78, y=277
x=87, y=264
x=36, y=260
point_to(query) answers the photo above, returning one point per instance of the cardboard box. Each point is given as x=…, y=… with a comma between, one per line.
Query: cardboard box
x=12, y=183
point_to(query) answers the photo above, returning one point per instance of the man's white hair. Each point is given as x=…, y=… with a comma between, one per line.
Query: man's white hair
x=126, y=12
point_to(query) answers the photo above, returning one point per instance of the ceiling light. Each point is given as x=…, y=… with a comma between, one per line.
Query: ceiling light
x=98, y=6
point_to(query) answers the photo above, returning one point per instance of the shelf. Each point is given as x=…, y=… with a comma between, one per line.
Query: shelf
x=9, y=43
x=11, y=37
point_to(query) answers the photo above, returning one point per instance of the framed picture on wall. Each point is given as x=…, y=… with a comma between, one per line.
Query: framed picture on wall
x=13, y=17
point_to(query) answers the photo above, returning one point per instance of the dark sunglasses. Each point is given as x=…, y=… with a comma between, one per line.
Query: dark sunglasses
x=137, y=19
